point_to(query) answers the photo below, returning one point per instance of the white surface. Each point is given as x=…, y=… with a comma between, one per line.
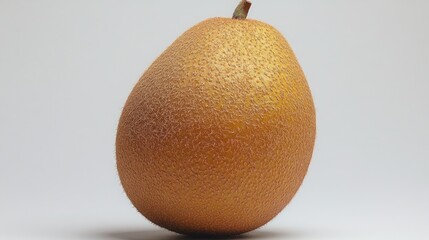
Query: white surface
x=66, y=68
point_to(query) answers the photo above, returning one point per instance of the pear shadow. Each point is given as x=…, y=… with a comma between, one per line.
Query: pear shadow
x=160, y=234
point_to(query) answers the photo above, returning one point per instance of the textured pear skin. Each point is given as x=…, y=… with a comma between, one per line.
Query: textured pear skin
x=217, y=135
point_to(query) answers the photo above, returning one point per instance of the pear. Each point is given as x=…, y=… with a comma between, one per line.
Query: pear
x=217, y=135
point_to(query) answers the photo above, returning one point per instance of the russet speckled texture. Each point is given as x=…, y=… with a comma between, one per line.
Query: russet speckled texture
x=217, y=135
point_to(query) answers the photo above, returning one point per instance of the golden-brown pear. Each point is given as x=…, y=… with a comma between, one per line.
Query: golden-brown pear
x=217, y=135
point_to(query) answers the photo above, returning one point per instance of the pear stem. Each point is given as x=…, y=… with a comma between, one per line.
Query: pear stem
x=242, y=10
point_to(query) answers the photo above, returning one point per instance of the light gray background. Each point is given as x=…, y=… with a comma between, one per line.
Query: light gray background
x=67, y=67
